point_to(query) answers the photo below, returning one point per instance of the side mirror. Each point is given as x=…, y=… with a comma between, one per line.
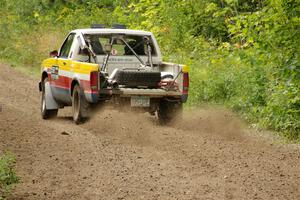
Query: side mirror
x=81, y=42
x=54, y=54
x=107, y=48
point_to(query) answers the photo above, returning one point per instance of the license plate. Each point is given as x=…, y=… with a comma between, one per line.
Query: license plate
x=140, y=101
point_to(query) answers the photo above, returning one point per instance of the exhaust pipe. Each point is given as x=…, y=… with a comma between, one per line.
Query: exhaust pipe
x=111, y=79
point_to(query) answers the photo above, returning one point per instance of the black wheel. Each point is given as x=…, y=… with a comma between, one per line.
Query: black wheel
x=46, y=114
x=80, y=105
x=169, y=111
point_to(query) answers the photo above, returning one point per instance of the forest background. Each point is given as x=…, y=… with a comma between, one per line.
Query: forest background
x=243, y=54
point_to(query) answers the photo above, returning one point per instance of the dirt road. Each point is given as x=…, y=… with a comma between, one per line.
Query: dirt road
x=210, y=155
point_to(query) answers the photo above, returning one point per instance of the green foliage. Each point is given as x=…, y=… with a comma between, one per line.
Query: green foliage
x=7, y=174
x=243, y=53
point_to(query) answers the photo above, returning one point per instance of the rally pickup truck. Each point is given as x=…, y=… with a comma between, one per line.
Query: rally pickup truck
x=117, y=65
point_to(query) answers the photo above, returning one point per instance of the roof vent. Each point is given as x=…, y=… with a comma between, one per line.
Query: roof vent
x=118, y=26
x=97, y=26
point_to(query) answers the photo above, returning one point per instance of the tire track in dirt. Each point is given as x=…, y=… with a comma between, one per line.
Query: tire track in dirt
x=209, y=155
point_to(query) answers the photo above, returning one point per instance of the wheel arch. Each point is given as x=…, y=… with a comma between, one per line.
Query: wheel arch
x=44, y=75
x=74, y=82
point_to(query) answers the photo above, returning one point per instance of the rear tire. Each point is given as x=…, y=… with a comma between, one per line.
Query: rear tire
x=169, y=111
x=80, y=106
x=46, y=114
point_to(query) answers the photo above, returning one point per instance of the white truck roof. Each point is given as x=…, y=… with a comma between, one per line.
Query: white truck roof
x=108, y=31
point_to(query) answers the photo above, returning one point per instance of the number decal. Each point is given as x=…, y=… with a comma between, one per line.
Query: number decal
x=114, y=52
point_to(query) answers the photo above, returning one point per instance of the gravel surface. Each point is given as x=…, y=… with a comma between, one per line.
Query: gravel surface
x=210, y=154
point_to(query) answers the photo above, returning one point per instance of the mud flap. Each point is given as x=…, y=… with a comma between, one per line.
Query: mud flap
x=184, y=98
x=51, y=104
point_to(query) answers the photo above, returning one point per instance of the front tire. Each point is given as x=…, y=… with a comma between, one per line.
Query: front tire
x=46, y=114
x=169, y=111
x=80, y=106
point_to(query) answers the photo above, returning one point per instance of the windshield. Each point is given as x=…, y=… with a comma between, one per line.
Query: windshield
x=119, y=48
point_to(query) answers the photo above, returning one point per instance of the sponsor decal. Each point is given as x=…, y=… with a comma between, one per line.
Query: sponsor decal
x=121, y=59
x=54, y=72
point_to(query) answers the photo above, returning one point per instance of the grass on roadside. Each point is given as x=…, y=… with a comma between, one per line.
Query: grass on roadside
x=8, y=175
